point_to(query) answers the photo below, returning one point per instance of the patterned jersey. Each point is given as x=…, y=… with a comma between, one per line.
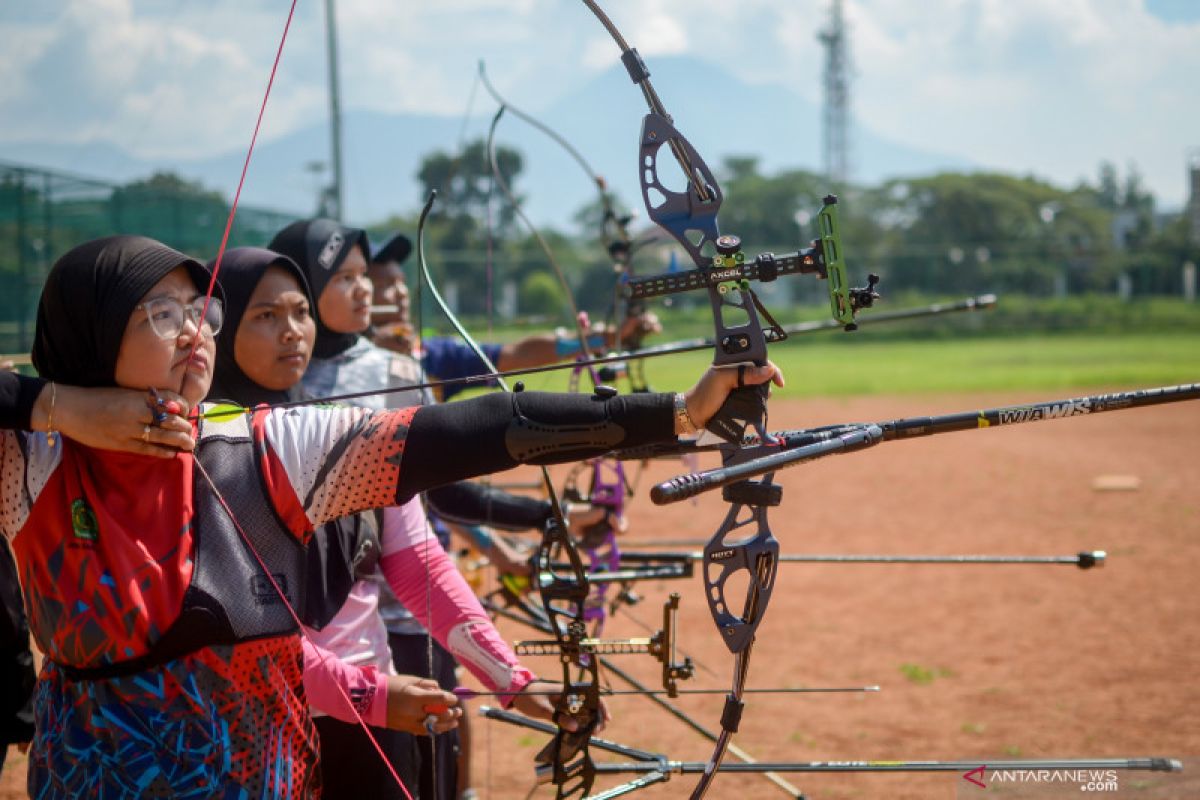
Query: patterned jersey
x=103, y=543
x=362, y=368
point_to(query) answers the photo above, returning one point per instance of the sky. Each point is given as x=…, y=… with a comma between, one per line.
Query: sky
x=1043, y=87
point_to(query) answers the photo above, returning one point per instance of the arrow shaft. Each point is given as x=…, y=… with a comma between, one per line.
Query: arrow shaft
x=665, y=561
x=983, y=301
x=666, y=349
x=652, y=762
x=466, y=693
x=692, y=767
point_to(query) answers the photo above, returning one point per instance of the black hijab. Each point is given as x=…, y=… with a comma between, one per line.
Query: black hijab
x=88, y=298
x=241, y=270
x=320, y=246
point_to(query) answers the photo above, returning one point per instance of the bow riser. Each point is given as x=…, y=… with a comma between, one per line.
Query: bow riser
x=688, y=216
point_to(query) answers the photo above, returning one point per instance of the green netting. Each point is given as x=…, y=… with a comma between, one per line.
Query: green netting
x=44, y=213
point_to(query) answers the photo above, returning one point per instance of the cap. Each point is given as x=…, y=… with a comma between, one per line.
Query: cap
x=395, y=249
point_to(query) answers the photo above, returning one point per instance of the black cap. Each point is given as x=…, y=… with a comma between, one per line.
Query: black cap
x=395, y=249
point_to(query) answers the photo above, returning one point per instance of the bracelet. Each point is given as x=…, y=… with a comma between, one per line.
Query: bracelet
x=50, y=432
x=683, y=420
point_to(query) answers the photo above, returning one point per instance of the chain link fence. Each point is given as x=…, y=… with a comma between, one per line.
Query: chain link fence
x=44, y=213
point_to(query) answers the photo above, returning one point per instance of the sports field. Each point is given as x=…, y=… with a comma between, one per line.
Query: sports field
x=976, y=663
x=835, y=364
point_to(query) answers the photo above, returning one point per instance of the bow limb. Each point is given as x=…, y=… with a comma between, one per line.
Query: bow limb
x=564, y=596
x=622, y=245
x=690, y=217
x=546, y=129
x=614, y=229
x=608, y=485
x=603, y=551
x=578, y=319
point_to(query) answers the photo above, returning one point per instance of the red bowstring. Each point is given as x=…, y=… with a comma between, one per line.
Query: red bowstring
x=324, y=658
x=212, y=283
x=262, y=110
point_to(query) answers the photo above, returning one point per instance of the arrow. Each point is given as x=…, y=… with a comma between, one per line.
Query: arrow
x=1085, y=559
x=466, y=693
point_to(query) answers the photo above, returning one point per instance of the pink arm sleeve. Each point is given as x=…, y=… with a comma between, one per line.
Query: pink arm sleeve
x=429, y=585
x=328, y=681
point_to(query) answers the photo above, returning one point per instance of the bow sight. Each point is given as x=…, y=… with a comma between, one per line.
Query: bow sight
x=728, y=271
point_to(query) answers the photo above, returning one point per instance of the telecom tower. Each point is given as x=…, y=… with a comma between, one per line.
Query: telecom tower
x=836, y=133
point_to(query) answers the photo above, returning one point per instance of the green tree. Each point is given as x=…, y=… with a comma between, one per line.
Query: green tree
x=464, y=182
x=956, y=232
x=541, y=294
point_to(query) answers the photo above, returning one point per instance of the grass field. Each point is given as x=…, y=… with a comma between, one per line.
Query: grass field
x=834, y=364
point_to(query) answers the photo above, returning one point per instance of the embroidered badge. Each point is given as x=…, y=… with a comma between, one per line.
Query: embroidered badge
x=83, y=521
x=330, y=251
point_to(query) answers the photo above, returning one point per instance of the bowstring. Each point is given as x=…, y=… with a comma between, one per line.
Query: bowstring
x=208, y=296
x=419, y=357
x=321, y=653
x=262, y=110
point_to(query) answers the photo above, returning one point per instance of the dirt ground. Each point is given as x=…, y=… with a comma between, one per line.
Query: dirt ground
x=976, y=663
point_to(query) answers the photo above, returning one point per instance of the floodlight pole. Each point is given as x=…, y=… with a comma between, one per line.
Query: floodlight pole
x=332, y=202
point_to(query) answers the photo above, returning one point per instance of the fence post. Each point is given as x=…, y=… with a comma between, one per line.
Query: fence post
x=1189, y=281
x=1124, y=286
x=22, y=265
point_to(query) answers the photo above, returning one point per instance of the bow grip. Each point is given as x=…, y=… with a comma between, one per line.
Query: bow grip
x=745, y=407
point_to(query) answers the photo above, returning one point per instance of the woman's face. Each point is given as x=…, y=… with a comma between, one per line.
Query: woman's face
x=274, y=341
x=147, y=360
x=345, y=302
x=390, y=290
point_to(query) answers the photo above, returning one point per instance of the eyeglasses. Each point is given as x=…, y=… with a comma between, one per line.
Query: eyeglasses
x=166, y=315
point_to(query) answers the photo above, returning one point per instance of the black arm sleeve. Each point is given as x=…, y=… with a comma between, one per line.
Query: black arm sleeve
x=455, y=441
x=475, y=504
x=17, y=396
x=16, y=660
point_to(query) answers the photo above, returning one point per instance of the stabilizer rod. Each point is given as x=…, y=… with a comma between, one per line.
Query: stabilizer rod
x=839, y=436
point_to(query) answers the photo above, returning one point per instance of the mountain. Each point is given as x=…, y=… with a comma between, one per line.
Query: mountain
x=720, y=114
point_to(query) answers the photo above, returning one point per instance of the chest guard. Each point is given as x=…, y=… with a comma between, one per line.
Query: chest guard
x=230, y=593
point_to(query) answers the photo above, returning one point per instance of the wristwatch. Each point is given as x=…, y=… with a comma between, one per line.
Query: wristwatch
x=683, y=420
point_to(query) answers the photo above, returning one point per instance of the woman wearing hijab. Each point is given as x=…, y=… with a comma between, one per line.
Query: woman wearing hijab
x=262, y=352
x=333, y=256
x=173, y=666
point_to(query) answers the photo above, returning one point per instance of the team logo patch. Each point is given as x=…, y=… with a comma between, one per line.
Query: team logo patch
x=331, y=249
x=264, y=591
x=83, y=521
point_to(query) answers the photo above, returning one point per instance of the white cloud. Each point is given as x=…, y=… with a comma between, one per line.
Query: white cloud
x=1020, y=85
